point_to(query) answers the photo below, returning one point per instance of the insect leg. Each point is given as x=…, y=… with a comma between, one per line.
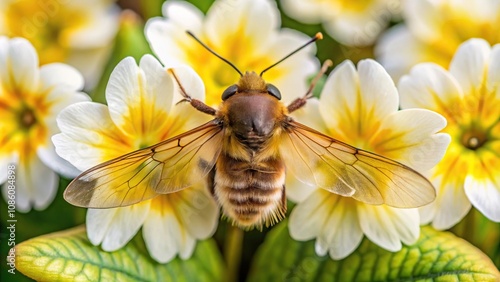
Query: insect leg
x=197, y=104
x=300, y=102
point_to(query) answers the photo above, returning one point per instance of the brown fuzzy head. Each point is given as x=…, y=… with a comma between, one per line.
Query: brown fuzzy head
x=252, y=108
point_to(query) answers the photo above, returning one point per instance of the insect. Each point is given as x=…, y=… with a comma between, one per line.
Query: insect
x=243, y=154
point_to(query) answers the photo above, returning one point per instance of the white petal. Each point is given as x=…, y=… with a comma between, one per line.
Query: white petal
x=410, y=136
x=342, y=230
x=256, y=20
x=308, y=217
x=100, y=28
x=60, y=74
x=138, y=98
x=308, y=115
x=20, y=66
x=429, y=86
x=378, y=93
x=484, y=195
x=296, y=191
x=36, y=185
x=183, y=14
x=197, y=211
x=291, y=75
x=305, y=11
x=90, y=63
x=320, y=247
x=190, y=81
x=124, y=225
x=88, y=136
x=493, y=80
x=55, y=162
x=451, y=203
x=427, y=213
x=98, y=222
x=158, y=232
x=187, y=249
x=424, y=18
x=356, y=30
x=167, y=37
x=339, y=95
x=387, y=227
x=398, y=50
x=469, y=64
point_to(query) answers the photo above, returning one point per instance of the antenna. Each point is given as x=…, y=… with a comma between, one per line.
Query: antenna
x=316, y=37
x=213, y=52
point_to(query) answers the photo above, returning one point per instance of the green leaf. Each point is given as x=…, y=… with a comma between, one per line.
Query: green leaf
x=69, y=256
x=436, y=256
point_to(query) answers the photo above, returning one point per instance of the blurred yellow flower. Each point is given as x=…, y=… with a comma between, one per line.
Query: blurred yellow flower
x=141, y=112
x=75, y=32
x=354, y=23
x=434, y=29
x=30, y=99
x=468, y=95
x=360, y=107
x=244, y=32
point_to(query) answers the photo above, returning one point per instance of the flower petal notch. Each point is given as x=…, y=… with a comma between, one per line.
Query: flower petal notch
x=30, y=99
x=467, y=95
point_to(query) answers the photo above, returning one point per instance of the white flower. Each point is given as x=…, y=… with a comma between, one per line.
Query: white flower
x=434, y=29
x=245, y=32
x=79, y=33
x=30, y=99
x=468, y=95
x=141, y=112
x=360, y=107
x=354, y=23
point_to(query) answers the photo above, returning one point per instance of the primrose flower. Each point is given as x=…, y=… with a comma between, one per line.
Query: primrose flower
x=75, y=32
x=30, y=99
x=434, y=29
x=354, y=23
x=141, y=112
x=360, y=107
x=244, y=32
x=468, y=95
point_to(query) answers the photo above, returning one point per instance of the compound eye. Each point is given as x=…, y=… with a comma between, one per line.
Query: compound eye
x=274, y=91
x=229, y=92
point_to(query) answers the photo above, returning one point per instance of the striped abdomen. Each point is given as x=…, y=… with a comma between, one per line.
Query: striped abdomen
x=251, y=195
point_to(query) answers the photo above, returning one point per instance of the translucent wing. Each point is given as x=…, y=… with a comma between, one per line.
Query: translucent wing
x=324, y=162
x=166, y=167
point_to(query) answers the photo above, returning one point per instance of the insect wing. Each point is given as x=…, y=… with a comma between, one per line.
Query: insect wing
x=319, y=160
x=166, y=167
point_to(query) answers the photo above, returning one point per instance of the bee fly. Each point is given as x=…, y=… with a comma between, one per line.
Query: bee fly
x=244, y=154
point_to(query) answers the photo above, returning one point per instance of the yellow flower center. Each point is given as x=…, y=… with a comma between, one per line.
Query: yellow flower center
x=47, y=24
x=474, y=139
x=22, y=123
x=27, y=118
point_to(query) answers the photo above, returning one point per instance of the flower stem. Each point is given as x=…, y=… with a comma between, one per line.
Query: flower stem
x=232, y=252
